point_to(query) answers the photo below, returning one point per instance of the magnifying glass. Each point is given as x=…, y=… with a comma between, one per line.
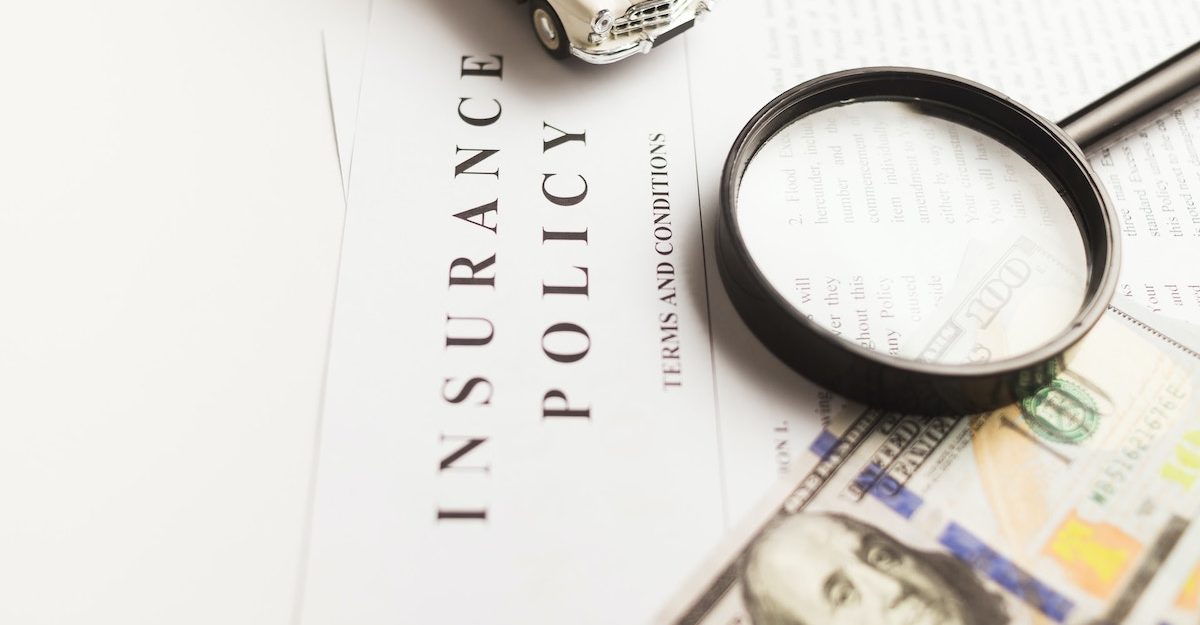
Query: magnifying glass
x=919, y=242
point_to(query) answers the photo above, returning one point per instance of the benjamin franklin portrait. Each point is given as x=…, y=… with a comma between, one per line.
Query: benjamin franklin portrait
x=816, y=568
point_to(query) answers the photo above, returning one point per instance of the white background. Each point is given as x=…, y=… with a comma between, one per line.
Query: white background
x=170, y=217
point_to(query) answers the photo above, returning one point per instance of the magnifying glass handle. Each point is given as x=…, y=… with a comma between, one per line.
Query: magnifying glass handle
x=1158, y=86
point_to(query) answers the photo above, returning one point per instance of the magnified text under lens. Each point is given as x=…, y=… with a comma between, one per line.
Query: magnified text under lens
x=909, y=234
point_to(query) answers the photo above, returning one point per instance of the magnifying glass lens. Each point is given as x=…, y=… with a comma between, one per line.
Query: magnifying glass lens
x=904, y=227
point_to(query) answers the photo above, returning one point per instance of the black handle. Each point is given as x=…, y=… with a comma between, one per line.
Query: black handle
x=1165, y=82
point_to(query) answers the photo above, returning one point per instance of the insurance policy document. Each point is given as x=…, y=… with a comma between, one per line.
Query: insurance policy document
x=519, y=399
x=540, y=406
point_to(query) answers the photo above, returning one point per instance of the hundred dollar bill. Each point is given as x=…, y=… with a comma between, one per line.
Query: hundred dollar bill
x=1173, y=597
x=1185, y=608
x=1008, y=299
x=1064, y=508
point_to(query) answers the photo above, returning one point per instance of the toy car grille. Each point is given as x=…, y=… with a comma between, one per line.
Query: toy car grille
x=645, y=15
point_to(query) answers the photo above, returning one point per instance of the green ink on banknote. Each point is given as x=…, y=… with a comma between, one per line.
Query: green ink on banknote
x=1061, y=411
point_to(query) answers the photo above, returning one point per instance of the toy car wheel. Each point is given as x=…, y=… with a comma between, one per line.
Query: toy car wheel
x=549, y=29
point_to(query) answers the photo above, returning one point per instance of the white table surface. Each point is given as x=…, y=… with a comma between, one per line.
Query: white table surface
x=170, y=221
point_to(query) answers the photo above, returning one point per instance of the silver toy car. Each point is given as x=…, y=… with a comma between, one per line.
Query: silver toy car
x=605, y=31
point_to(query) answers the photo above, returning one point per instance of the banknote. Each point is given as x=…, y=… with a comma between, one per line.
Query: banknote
x=1011, y=294
x=1074, y=505
x=1174, y=598
x=1185, y=608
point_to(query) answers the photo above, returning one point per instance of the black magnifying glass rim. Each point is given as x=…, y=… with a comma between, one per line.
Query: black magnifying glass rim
x=874, y=378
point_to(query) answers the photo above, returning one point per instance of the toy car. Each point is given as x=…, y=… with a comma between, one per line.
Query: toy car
x=606, y=31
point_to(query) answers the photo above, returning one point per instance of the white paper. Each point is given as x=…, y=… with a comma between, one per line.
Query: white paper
x=1152, y=176
x=597, y=519
x=345, y=44
x=169, y=228
x=588, y=520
